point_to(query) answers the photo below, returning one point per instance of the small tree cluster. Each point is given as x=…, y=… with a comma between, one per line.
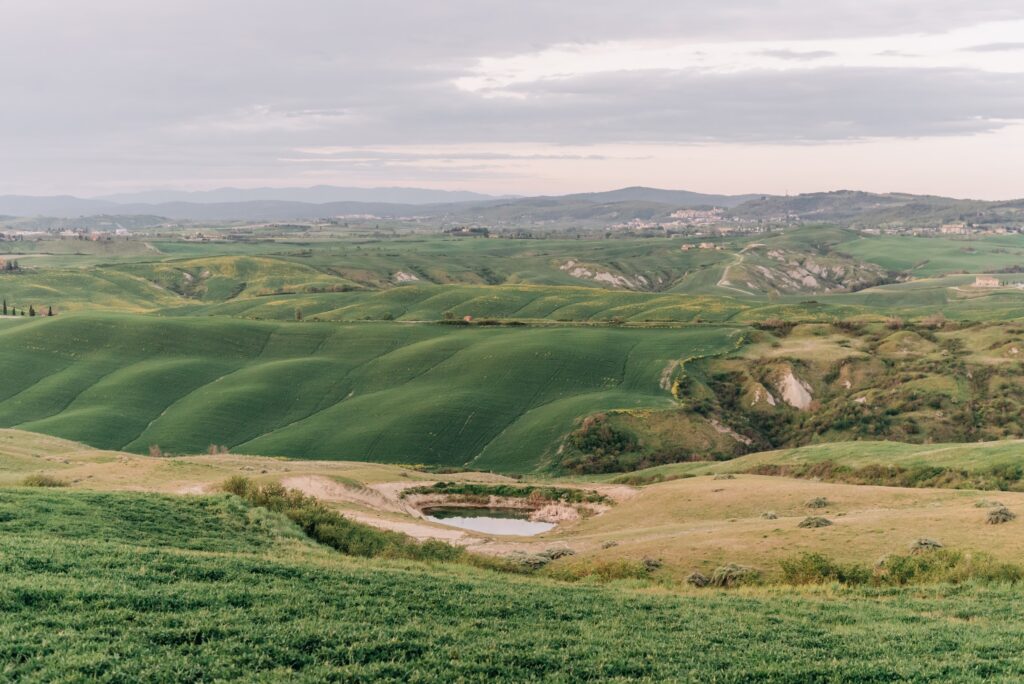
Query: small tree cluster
x=13, y=311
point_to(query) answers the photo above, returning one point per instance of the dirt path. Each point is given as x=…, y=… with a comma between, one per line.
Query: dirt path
x=723, y=282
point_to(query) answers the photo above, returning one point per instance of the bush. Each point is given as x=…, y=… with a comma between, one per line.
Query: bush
x=924, y=545
x=603, y=571
x=597, y=445
x=335, y=530
x=814, y=522
x=946, y=566
x=769, y=515
x=651, y=564
x=998, y=516
x=814, y=568
x=43, y=480
x=531, y=561
x=733, y=575
x=554, y=494
x=724, y=476
x=698, y=579
x=818, y=502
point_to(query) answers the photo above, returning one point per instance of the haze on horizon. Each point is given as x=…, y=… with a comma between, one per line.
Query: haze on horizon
x=514, y=98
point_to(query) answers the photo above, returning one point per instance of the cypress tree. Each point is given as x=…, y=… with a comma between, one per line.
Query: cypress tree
x=5, y=306
x=49, y=311
x=31, y=310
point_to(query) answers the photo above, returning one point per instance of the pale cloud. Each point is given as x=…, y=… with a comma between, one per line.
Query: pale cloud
x=498, y=96
x=948, y=50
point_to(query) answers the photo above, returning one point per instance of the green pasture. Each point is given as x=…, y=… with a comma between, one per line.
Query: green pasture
x=131, y=587
x=497, y=397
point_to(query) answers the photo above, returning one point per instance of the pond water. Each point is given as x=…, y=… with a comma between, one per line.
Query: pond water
x=488, y=520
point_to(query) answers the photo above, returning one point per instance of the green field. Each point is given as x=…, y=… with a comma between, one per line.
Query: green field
x=129, y=587
x=496, y=398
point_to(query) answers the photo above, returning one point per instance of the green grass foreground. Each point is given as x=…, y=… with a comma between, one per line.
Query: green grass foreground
x=131, y=587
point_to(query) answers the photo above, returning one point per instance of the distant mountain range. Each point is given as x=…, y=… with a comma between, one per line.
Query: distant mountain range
x=318, y=194
x=278, y=204
x=580, y=210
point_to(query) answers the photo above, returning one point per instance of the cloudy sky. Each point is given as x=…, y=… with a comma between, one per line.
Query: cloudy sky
x=524, y=96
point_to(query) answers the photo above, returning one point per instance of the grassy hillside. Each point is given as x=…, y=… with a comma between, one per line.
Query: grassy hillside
x=517, y=302
x=224, y=278
x=498, y=398
x=976, y=457
x=147, y=600
x=68, y=290
x=937, y=256
x=803, y=271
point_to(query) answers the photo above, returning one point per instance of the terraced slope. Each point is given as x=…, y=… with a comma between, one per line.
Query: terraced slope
x=499, y=398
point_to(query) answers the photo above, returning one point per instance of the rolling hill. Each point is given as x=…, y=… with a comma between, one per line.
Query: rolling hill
x=496, y=398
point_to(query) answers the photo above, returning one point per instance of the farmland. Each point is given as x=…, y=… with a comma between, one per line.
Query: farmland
x=453, y=352
x=498, y=397
x=703, y=405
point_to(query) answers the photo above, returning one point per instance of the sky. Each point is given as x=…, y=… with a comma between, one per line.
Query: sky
x=525, y=97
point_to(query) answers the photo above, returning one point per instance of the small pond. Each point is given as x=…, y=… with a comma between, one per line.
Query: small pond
x=488, y=520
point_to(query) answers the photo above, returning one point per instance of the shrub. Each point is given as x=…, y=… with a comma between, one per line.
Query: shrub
x=43, y=480
x=818, y=502
x=733, y=575
x=598, y=444
x=814, y=568
x=985, y=503
x=924, y=545
x=944, y=565
x=698, y=579
x=769, y=515
x=335, y=530
x=725, y=476
x=537, y=494
x=894, y=323
x=651, y=564
x=777, y=326
x=604, y=571
x=609, y=544
x=237, y=485
x=532, y=561
x=998, y=516
x=814, y=522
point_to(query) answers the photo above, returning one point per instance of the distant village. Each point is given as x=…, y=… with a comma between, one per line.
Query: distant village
x=985, y=281
x=950, y=229
x=708, y=222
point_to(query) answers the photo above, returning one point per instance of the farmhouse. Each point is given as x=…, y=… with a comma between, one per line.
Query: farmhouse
x=986, y=281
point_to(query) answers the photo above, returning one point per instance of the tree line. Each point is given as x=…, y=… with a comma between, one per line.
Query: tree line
x=13, y=311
